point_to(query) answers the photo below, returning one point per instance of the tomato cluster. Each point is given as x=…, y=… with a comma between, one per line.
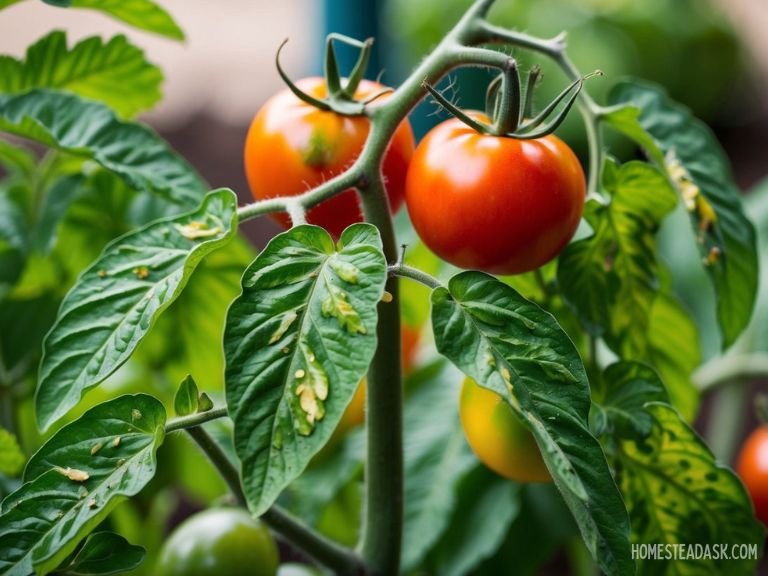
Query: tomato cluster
x=494, y=203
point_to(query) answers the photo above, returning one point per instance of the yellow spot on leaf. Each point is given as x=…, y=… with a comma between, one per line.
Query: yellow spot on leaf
x=102, y=273
x=336, y=304
x=299, y=373
x=349, y=273
x=142, y=272
x=197, y=229
x=73, y=474
x=386, y=297
x=96, y=448
x=136, y=415
x=682, y=180
x=288, y=319
x=713, y=256
x=116, y=441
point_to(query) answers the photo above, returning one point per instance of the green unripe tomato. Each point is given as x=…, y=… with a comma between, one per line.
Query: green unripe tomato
x=219, y=541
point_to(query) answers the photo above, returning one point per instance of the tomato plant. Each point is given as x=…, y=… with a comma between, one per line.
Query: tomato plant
x=752, y=466
x=292, y=147
x=498, y=438
x=219, y=541
x=505, y=206
x=589, y=371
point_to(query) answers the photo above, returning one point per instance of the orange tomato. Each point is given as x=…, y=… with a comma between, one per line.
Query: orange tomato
x=292, y=147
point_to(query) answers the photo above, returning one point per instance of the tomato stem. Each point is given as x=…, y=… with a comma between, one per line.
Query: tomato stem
x=184, y=422
x=404, y=271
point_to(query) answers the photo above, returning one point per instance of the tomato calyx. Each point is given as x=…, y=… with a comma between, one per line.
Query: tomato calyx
x=509, y=104
x=341, y=91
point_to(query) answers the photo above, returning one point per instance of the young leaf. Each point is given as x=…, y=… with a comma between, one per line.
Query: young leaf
x=104, y=553
x=297, y=342
x=11, y=456
x=187, y=397
x=75, y=480
x=437, y=457
x=141, y=14
x=629, y=386
x=91, y=130
x=511, y=346
x=610, y=278
x=677, y=494
x=115, y=301
x=697, y=166
x=90, y=69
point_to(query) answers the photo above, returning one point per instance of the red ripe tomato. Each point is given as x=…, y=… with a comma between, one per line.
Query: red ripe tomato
x=497, y=204
x=292, y=147
x=752, y=466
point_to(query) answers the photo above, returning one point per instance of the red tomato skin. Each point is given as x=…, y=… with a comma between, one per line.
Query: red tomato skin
x=497, y=204
x=752, y=466
x=292, y=147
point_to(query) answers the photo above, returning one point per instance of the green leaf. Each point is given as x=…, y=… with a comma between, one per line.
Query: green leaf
x=511, y=346
x=141, y=14
x=187, y=396
x=187, y=337
x=115, y=301
x=11, y=457
x=630, y=385
x=91, y=130
x=677, y=494
x=6, y=3
x=696, y=164
x=674, y=352
x=437, y=457
x=297, y=342
x=610, y=278
x=104, y=553
x=91, y=69
x=76, y=479
x=488, y=504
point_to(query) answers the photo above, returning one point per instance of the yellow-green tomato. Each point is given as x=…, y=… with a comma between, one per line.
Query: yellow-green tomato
x=497, y=437
x=219, y=541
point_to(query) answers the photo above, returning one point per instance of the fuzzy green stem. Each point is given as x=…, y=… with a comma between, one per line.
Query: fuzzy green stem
x=195, y=419
x=381, y=540
x=220, y=460
x=590, y=110
x=404, y=271
x=325, y=552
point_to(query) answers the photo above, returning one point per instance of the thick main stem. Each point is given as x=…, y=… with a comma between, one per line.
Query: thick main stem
x=383, y=527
